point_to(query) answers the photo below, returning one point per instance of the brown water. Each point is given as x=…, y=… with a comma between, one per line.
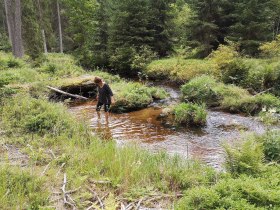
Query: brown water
x=147, y=130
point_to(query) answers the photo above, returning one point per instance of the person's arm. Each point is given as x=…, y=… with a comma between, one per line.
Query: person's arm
x=111, y=94
x=97, y=94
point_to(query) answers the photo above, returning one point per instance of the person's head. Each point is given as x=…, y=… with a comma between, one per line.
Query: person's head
x=97, y=80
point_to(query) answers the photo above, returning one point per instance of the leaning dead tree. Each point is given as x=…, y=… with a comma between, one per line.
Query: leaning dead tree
x=59, y=27
x=13, y=17
x=42, y=27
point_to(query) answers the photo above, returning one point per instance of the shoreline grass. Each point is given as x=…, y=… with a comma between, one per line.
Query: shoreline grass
x=56, y=143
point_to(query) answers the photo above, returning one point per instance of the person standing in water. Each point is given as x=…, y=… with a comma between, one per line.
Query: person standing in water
x=104, y=96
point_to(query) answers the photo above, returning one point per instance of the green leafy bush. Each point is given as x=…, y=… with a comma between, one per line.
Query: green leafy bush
x=199, y=198
x=122, y=59
x=271, y=145
x=190, y=114
x=21, y=190
x=142, y=58
x=271, y=49
x=262, y=75
x=132, y=96
x=7, y=60
x=178, y=69
x=60, y=65
x=244, y=158
x=243, y=192
x=36, y=115
x=200, y=90
x=268, y=117
x=207, y=90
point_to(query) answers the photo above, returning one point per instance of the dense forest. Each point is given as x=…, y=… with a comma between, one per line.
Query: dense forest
x=121, y=35
x=195, y=122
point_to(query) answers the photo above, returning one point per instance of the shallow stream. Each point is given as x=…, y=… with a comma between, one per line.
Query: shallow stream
x=145, y=128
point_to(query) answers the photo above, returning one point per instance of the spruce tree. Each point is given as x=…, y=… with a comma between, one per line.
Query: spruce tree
x=253, y=24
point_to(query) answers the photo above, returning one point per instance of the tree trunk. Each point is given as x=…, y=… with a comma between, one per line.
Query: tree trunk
x=7, y=19
x=17, y=30
x=13, y=16
x=42, y=27
x=59, y=27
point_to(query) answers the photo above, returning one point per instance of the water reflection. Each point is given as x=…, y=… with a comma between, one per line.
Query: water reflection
x=144, y=127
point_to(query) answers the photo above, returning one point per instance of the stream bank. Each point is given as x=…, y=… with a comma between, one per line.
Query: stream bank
x=145, y=128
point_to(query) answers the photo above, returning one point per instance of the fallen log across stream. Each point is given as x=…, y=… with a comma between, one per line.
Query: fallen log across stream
x=65, y=93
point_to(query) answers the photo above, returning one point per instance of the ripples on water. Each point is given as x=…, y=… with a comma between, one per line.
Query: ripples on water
x=144, y=127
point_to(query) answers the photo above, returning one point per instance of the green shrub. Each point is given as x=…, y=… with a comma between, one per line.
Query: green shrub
x=178, y=69
x=133, y=96
x=207, y=90
x=20, y=190
x=244, y=192
x=122, y=59
x=271, y=145
x=271, y=49
x=268, y=118
x=142, y=58
x=190, y=114
x=244, y=158
x=200, y=90
x=60, y=65
x=262, y=75
x=199, y=198
x=235, y=72
x=36, y=115
x=7, y=60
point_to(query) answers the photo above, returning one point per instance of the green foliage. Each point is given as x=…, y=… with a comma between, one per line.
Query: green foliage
x=271, y=49
x=252, y=24
x=133, y=96
x=178, y=69
x=4, y=42
x=268, y=117
x=143, y=58
x=21, y=190
x=229, y=66
x=246, y=158
x=31, y=29
x=26, y=114
x=200, y=198
x=207, y=90
x=122, y=59
x=8, y=61
x=263, y=74
x=190, y=114
x=271, y=145
x=200, y=90
x=130, y=168
x=244, y=192
x=60, y=65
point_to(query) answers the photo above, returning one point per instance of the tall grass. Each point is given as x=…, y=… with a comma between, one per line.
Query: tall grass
x=178, y=69
x=21, y=190
x=232, y=98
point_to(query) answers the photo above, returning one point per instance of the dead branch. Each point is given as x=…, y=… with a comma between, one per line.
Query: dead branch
x=62, y=165
x=64, y=194
x=68, y=94
x=99, y=181
x=46, y=168
x=262, y=92
x=72, y=191
x=98, y=198
x=139, y=203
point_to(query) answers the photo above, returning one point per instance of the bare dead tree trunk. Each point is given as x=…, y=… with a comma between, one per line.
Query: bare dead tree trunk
x=42, y=28
x=59, y=27
x=17, y=30
x=13, y=16
x=7, y=19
